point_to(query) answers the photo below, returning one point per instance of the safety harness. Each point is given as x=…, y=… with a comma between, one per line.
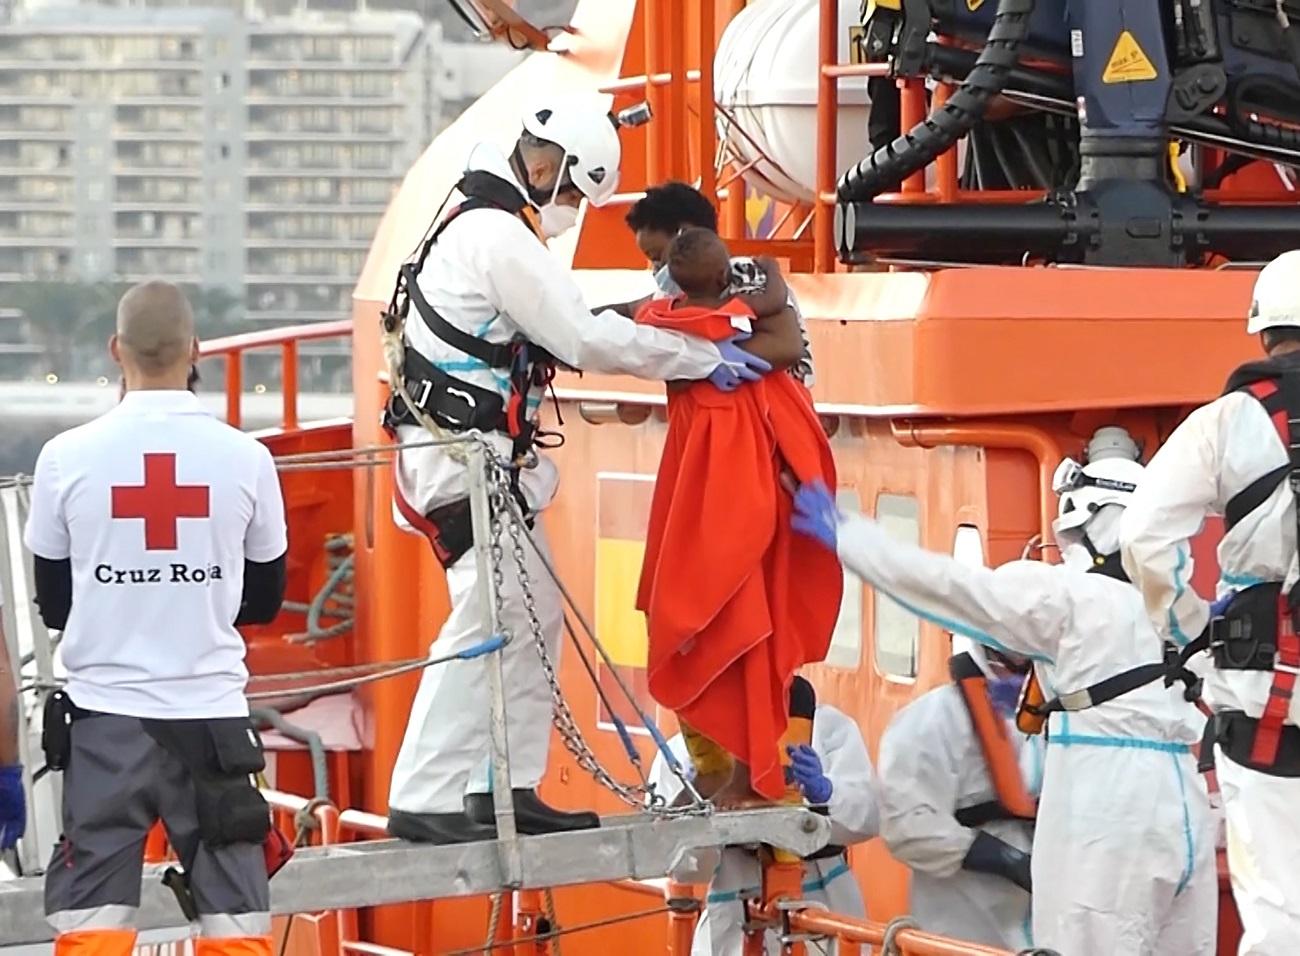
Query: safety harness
x=1012, y=800
x=451, y=402
x=1171, y=669
x=430, y=393
x=1257, y=631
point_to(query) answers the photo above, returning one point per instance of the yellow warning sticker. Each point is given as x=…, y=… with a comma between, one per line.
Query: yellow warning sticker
x=973, y=5
x=1128, y=64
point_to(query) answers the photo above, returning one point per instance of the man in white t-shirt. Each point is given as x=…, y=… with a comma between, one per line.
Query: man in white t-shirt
x=156, y=530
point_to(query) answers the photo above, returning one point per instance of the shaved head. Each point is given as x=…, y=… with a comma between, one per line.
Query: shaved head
x=155, y=342
x=155, y=327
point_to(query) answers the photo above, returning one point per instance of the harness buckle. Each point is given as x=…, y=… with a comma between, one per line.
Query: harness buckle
x=1292, y=669
x=426, y=387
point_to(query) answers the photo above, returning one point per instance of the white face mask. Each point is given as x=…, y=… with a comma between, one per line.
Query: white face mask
x=556, y=219
x=665, y=282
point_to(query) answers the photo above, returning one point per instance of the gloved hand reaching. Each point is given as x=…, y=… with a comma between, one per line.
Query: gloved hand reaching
x=815, y=513
x=737, y=366
x=1220, y=605
x=990, y=855
x=806, y=767
x=13, y=806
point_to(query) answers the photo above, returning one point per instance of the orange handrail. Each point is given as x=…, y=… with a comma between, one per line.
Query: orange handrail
x=1036, y=441
x=906, y=941
x=233, y=348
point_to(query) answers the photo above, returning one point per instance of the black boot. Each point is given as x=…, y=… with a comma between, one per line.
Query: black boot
x=440, y=828
x=531, y=815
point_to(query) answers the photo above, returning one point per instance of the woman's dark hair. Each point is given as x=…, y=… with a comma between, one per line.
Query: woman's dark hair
x=670, y=207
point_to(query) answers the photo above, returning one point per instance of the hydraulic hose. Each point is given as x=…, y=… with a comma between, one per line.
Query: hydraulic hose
x=911, y=152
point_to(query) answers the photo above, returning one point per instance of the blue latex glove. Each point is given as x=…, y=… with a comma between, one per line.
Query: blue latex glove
x=13, y=806
x=738, y=366
x=1219, y=606
x=806, y=767
x=1004, y=693
x=815, y=513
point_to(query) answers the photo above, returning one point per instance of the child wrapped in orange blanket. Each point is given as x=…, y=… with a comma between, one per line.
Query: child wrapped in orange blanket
x=735, y=601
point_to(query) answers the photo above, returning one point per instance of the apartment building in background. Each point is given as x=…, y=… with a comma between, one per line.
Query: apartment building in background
x=205, y=146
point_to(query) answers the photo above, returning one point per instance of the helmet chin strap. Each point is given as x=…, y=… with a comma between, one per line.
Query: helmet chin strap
x=1110, y=565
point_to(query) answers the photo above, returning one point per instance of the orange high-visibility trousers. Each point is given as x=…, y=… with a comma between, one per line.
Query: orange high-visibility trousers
x=95, y=942
x=233, y=946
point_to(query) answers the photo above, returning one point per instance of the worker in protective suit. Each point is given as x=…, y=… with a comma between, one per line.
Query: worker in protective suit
x=958, y=788
x=1231, y=458
x=479, y=320
x=834, y=772
x=1123, y=853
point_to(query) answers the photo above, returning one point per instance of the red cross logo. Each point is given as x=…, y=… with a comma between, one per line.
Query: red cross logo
x=160, y=501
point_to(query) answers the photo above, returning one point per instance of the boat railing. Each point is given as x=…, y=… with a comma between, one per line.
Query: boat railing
x=287, y=340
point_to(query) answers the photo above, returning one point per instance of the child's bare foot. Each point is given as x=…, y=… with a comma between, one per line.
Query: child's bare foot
x=738, y=794
x=735, y=796
x=706, y=785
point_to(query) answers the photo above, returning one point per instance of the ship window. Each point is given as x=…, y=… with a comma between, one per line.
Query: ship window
x=897, y=631
x=846, y=639
x=968, y=548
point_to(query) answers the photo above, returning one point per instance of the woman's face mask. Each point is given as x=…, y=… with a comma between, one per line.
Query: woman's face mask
x=665, y=282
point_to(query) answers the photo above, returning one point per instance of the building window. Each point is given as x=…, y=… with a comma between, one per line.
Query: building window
x=846, y=639
x=225, y=151
x=968, y=548
x=897, y=630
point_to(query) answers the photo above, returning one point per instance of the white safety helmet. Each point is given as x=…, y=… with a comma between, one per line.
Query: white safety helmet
x=1086, y=489
x=1276, y=300
x=581, y=126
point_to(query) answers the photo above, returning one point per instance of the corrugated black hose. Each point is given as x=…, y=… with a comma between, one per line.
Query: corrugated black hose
x=890, y=165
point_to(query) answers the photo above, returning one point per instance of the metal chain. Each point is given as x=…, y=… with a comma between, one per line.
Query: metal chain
x=505, y=520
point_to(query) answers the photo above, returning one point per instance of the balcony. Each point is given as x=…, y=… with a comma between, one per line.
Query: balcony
x=156, y=242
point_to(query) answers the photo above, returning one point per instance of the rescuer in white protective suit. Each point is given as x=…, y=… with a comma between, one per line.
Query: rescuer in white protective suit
x=488, y=312
x=839, y=777
x=941, y=812
x=1230, y=458
x=1123, y=853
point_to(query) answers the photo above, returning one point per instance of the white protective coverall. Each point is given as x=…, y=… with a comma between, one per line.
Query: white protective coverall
x=1219, y=450
x=1123, y=855
x=931, y=765
x=853, y=816
x=489, y=275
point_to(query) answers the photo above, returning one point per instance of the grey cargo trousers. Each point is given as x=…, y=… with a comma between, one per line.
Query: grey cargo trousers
x=117, y=783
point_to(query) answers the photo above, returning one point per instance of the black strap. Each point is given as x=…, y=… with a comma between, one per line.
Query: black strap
x=1105, y=690
x=1109, y=565
x=982, y=814
x=1288, y=387
x=1287, y=396
x=1252, y=496
x=495, y=356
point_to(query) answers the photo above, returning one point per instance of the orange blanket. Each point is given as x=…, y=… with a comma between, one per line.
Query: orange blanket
x=735, y=600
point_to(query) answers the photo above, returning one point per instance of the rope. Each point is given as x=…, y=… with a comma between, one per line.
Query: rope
x=580, y=928
x=478, y=650
x=494, y=920
x=548, y=901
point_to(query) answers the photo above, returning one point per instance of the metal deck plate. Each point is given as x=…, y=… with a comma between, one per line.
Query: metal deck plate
x=391, y=871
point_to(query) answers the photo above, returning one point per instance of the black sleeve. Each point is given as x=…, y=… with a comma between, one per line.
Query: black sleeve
x=263, y=591
x=54, y=591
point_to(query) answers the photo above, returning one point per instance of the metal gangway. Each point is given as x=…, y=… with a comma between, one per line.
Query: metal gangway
x=376, y=872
